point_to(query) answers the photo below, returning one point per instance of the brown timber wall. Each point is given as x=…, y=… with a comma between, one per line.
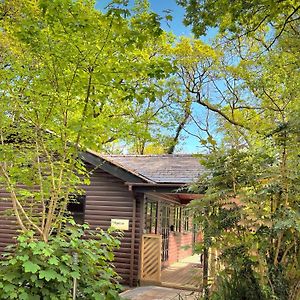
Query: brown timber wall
x=107, y=197
x=7, y=224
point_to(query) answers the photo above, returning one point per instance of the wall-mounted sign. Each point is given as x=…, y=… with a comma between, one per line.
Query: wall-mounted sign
x=120, y=224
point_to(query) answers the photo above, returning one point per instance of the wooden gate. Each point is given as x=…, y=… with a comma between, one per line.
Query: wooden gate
x=150, y=258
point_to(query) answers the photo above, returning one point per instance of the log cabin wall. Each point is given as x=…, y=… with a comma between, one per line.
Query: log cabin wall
x=7, y=224
x=107, y=197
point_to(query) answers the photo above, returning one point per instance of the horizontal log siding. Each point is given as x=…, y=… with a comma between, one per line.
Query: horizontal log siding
x=107, y=197
x=8, y=225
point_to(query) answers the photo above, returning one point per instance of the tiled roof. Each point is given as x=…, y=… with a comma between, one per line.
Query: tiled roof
x=173, y=168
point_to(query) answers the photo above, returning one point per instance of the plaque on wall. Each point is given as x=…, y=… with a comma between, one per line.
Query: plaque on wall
x=120, y=224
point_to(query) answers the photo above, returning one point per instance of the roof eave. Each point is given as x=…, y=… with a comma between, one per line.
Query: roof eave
x=145, y=187
x=108, y=166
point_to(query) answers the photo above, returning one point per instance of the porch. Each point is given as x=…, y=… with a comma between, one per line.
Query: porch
x=167, y=242
x=184, y=274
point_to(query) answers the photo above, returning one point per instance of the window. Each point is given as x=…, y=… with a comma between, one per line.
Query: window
x=151, y=217
x=177, y=218
x=186, y=219
x=76, y=207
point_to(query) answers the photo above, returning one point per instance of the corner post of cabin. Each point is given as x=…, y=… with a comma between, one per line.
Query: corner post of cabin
x=132, y=244
x=142, y=231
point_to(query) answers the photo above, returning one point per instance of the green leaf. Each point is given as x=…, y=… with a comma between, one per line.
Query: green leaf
x=53, y=261
x=9, y=288
x=24, y=296
x=30, y=267
x=48, y=274
x=75, y=274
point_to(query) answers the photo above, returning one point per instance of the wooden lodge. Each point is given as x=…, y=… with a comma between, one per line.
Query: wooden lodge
x=141, y=195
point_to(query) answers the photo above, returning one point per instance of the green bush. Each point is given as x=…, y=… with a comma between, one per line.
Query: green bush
x=240, y=285
x=38, y=270
x=239, y=280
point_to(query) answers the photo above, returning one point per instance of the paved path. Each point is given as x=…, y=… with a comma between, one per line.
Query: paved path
x=158, y=293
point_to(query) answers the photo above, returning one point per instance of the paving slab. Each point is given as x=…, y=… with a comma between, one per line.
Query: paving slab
x=158, y=293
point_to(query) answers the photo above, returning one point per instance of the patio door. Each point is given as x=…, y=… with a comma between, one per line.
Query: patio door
x=157, y=221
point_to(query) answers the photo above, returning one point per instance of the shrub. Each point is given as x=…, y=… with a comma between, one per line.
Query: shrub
x=239, y=285
x=39, y=270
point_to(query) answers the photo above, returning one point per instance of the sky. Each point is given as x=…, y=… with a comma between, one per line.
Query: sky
x=160, y=6
x=176, y=26
x=189, y=144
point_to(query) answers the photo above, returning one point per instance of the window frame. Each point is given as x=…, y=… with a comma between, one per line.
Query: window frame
x=78, y=215
x=177, y=218
x=186, y=219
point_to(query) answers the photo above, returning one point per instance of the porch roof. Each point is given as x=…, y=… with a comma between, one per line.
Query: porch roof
x=176, y=198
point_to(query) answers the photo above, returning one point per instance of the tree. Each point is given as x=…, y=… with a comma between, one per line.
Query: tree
x=267, y=18
x=252, y=181
x=71, y=78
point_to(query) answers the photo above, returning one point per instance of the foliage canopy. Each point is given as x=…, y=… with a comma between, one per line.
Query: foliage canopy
x=250, y=211
x=72, y=78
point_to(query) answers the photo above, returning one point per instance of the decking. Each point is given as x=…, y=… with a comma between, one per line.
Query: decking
x=185, y=274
